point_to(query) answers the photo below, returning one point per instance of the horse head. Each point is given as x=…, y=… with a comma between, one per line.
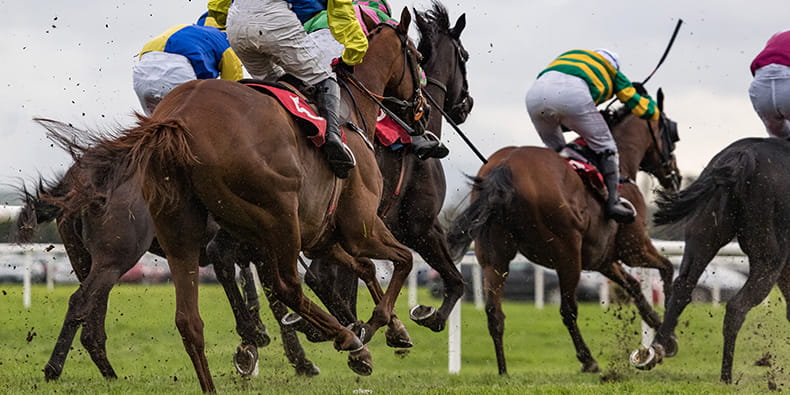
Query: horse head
x=648, y=144
x=660, y=159
x=444, y=54
x=391, y=50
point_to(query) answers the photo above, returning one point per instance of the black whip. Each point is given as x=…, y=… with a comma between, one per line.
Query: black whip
x=457, y=129
x=666, y=51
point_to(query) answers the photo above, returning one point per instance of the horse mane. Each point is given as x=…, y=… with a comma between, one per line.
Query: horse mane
x=430, y=24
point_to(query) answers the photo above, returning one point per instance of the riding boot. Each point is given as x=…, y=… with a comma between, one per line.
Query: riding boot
x=609, y=165
x=340, y=157
x=427, y=145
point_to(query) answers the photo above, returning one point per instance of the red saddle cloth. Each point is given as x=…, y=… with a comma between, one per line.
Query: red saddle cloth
x=388, y=132
x=588, y=173
x=298, y=107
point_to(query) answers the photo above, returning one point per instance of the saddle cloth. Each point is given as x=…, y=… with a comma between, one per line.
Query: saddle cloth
x=578, y=157
x=389, y=133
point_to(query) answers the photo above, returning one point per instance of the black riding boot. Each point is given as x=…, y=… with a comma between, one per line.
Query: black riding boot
x=427, y=145
x=340, y=157
x=609, y=165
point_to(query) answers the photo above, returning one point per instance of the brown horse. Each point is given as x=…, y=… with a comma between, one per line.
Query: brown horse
x=252, y=169
x=529, y=200
x=101, y=248
x=414, y=189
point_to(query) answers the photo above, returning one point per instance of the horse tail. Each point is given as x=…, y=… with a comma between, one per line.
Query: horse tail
x=154, y=150
x=39, y=207
x=495, y=192
x=726, y=176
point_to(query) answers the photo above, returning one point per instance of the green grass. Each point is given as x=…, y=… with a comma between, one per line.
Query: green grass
x=146, y=351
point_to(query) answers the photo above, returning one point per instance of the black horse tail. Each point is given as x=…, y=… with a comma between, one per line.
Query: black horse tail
x=726, y=176
x=39, y=208
x=495, y=192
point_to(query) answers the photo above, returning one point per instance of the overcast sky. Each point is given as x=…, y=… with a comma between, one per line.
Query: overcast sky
x=72, y=61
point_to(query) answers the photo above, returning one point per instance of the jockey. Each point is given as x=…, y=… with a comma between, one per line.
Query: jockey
x=182, y=53
x=426, y=145
x=269, y=38
x=567, y=93
x=770, y=89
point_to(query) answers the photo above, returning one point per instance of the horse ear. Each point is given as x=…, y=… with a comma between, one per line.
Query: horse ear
x=405, y=21
x=660, y=99
x=419, y=19
x=460, y=24
x=370, y=24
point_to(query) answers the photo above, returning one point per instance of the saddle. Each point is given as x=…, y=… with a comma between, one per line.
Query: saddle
x=583, y=160
x=299, y=99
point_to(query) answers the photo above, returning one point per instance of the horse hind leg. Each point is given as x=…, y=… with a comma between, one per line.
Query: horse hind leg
x=569, y=281
x=784, y=286
x=762, y=277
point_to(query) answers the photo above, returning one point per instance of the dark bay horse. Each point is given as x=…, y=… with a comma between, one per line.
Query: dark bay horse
x=101, y=248
x=252, y=169
x=414, y=189
x=529, y=200
x=741, y=194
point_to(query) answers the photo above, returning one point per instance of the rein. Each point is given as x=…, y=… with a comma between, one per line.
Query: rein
x=417, y=103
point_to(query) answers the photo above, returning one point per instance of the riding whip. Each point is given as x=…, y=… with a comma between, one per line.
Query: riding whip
x=666, y=51
x=455, y=126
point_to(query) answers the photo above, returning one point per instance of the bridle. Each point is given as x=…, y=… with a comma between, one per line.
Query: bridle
x=459, y=108
x=668, y=134
x=396, y=108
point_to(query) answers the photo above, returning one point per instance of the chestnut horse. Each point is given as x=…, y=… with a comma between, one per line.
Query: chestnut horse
x=414, y=189
x=529, y=200
x=251, y=167
x=741, y=194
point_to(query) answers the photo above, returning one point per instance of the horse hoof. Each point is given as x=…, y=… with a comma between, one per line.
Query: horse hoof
x=644, y=358
x=299, y=324
x=361, y=362
x=246, y=360
x=671, y=349
x=398, y=337
x=263, y=338
x=426, y=316
x=308, y=369
x=50, y=373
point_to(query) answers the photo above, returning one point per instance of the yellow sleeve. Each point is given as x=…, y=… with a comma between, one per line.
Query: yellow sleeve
x=218, y=10
x=230, y=66
x=345, y=28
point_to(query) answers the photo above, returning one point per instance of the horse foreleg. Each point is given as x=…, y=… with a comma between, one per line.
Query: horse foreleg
x=433, y=248
x=336, y=286
x=222, y=252
x=293, y=348
x=615, y=272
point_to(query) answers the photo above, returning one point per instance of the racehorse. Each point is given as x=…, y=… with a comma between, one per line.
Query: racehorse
x=529, y=200
x=102, y=248
x=740, y=194
x=251, y=168
x=414, y=189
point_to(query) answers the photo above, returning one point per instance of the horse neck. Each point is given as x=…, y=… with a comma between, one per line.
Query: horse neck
x=438, y=95
x=633, y=139
x=364, y=110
